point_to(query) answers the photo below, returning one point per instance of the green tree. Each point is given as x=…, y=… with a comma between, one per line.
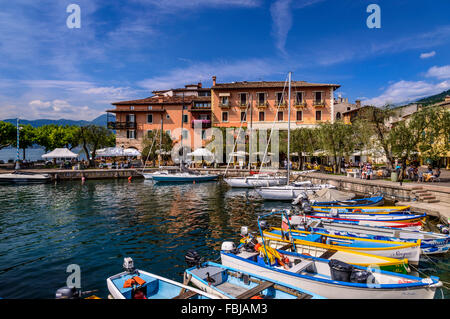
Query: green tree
x=8, y=134
x=337, y=139
x=27, y=136
x=151, y=144
x=94, y=137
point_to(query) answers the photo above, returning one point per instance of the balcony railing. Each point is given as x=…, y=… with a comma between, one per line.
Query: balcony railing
x=262, y=105
x=299, y=105
x=319, y=103
x=121, y=125
x=281, y=104
x=244, y=105
x=225, y=105
x=202, y=123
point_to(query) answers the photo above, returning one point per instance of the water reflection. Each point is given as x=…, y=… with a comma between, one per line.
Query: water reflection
x=44, y=228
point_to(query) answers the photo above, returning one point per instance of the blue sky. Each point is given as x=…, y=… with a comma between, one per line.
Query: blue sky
x=126, y=49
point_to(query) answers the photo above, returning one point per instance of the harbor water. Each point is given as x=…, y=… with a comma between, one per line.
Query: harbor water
x=45, y=228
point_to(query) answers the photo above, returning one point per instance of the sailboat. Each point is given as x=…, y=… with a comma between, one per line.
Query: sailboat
x=184, y=175
x=18, y=177
x=259, y=179
x=289, y=191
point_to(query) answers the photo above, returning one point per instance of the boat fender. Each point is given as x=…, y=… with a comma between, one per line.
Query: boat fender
x=357, y=210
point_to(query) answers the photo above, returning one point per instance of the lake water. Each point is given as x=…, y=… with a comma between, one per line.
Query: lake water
x=45, y=228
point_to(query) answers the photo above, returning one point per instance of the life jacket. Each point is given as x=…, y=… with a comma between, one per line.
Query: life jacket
x=129, y=283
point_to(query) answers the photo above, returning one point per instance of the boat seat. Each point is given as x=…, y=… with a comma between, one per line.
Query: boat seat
x=256, y=290
x=298, y=268
x=186, y=295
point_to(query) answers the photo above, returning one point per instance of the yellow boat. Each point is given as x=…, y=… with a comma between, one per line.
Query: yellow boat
x=391, y=249
x=350, y=257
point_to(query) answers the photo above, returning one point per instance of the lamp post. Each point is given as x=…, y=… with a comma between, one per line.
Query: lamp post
x=18, y=138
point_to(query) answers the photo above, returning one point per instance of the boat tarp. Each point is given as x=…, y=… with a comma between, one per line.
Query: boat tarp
x=330, y=195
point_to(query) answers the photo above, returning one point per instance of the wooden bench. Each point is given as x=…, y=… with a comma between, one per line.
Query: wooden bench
x=328, y=254
x=186, y=295
x=301, y=266
x=256, y=290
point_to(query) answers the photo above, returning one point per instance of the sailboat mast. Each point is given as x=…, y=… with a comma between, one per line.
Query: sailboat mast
x=289, y=133
x=18, y=147
x=181, y=142
x=160, y=139
x=250, y=140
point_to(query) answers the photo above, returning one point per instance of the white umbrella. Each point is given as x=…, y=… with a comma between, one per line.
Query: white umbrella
x=60, y=153
x=199, y=152
x=131, y=152
x=110, y=152
x=238, y=154
x=163, y=152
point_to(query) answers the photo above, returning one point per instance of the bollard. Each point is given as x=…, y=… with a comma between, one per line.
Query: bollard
x=129, y=179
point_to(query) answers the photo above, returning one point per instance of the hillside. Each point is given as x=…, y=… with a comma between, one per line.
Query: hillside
x=434, y=98
x=101, y=121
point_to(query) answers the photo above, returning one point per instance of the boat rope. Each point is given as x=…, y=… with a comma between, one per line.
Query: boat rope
x=148, y=155
x=237, y=138
x=445, y=284
x=271, y=130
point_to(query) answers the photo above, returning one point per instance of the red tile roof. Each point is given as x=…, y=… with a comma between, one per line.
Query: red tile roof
x=269, y=84
x=164, y=100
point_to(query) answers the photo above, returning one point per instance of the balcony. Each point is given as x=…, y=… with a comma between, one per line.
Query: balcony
x=262, y=105
x=319, y=103
x=226, y=105
x=299, y=105
x=281, y=104
x=202, y=123
x=121, y=125
x=244, y=105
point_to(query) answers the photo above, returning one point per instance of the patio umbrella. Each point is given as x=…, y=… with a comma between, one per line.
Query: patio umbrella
x=131, y=152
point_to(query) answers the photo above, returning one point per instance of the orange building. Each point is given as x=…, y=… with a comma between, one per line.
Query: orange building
x=263, y=102
x=173, y=110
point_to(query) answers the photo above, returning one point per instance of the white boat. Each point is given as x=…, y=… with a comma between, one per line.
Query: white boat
x=139, y=284
x=324, y=278
x=256, y=180
x=150, y=175
x=290, y=192
x=24, y=178
x=430, y=243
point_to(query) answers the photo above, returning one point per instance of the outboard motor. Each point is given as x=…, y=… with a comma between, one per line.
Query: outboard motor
x=228, y=247
x=334, y=212
x=244, y=231
x=68, y=293
x=128, y=265
x=443, y=229
x=263, y=224
x=307, y=209
x=192, y=259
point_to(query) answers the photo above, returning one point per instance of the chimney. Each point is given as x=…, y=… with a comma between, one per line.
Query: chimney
x=214, y=80
x=358, y=103
x=199, y=85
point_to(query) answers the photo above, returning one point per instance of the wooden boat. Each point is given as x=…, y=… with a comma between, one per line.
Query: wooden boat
x=364, y=209
x=24, y=178
x=256, y=180
x=290, y=192
x=370, y=201
x=402, y=218
x=430, y=243
x=414, y=225
x=184, y=177
x=325, y=251
x=229, y=283
x=327, y=279
x=391, y=249
x=139, y=284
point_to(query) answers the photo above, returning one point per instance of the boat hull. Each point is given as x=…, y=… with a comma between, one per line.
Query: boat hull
x=371, y=201
x=184, y=179
x=24, y=179
x=326, y=287
x=288, y=193
x=255, y=181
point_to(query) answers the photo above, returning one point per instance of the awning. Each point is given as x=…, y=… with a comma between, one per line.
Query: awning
x=224, y=94
x=60, y=153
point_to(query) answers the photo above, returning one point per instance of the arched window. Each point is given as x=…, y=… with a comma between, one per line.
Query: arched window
x=338, y=115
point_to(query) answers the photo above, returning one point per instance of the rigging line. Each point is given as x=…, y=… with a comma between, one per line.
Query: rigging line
x=148, y=155
x=273, y=125
x=239, y=133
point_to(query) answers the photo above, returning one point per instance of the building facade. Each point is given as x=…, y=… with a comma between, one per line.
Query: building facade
x=265, y=104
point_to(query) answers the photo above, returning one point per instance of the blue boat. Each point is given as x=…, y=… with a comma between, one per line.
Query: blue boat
x=370, y=201
x=230, y=283
x=139, y=284
x=184, y=178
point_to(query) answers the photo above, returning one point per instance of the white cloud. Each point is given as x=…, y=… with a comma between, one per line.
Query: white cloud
x=407, y=91
x=427, y=55
x=281, y=12
x=225, y=71
x=439, y=72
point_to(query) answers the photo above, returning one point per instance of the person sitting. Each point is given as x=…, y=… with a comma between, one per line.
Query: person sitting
x=435, y=176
